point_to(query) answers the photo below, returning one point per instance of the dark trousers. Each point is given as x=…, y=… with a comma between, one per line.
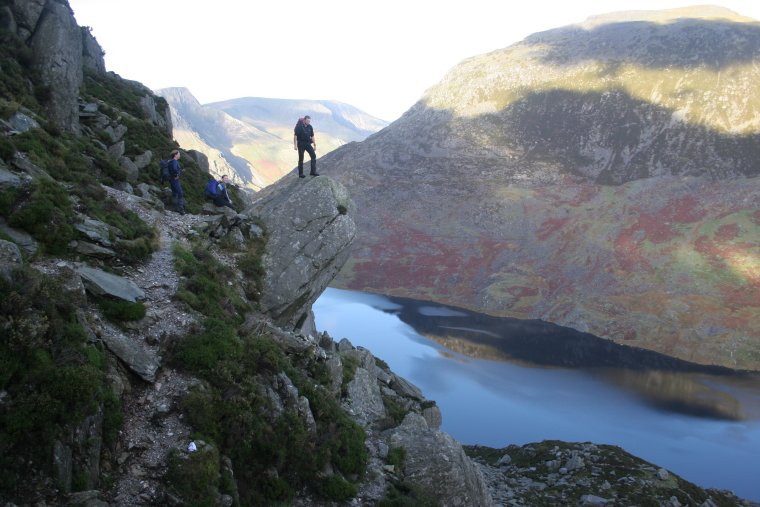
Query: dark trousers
x=221, y=201
x=177, y=197
x=306, y=146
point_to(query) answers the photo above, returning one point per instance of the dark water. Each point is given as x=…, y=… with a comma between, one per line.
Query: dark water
x=505, y=381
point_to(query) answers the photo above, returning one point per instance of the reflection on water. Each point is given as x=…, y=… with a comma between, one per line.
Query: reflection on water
x=665, y=382
x=504, y=381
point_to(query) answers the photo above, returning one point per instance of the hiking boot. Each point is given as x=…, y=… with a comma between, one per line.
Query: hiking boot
x=314, y=174
x=301, y=175
x=182, y=212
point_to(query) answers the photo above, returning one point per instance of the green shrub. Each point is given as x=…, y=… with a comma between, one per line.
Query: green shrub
x=194, y=476
x=334, y=487
x=350, y=364
x=202, y=352
x=395, y=411
x=122, y=311
x=206, y=288
x=44, y=215
x=406, y=494
x=396, y=457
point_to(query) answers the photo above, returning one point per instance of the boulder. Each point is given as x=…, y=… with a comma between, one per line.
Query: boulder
x=574, y=463
x=365, y=357
x=132, y=171
x=21, y=163
x=289, y=343
x=101, y=283
x=115, y=133
x=8, y=179
x=92, y=53
x=438, y=463
x=10, y=258
x=209, y=209
x=405, y=388
x=145, y=190
x=344, y=345
x=123, y=186
x=433, y=417
x=592, y=501
x=7, y=22
x=201, y=159
x=305, y=412
x=20, y=237
x=22, y=122
x=382, y=375
x=335, y=367
x=95, y=230
x=363, y=400
x=62, y=461
x=142, y=161
x=57, y=55
x=117, y=150
x=311, y=232
x=130, y=352
x=148, y=105
x=91, y=250
x=235, y=237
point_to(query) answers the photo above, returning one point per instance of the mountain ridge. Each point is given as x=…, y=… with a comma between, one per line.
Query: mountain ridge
x=572, y=180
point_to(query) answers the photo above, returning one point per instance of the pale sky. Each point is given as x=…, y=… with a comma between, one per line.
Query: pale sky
x=377, y=56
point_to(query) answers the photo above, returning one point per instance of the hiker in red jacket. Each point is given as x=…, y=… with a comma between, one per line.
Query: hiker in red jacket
x=302, y=141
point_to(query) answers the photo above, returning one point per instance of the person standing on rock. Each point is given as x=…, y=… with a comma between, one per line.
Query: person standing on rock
x=302, y=141
x=174, y=172
x=222, y=198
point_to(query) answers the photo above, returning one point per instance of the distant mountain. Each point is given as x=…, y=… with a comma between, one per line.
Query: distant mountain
x=602, y=176
x=251, y=138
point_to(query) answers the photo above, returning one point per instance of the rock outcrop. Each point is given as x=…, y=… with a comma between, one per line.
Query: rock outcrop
x=57, y=55
x=311, y=231
x=92, y=53
x=438, y=463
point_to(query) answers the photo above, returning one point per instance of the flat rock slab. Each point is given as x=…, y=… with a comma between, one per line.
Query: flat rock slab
x=133, y=356
x=20, y=236
x=101, y=283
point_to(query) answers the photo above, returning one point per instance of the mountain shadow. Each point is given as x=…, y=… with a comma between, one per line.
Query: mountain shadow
x=689, y=42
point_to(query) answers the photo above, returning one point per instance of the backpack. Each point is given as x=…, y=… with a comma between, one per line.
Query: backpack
x=163, y=171
x=211, y=189
x=300, y=122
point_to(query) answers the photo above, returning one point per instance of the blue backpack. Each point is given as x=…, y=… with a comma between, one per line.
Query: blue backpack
x=163, y=171
x=211, y=189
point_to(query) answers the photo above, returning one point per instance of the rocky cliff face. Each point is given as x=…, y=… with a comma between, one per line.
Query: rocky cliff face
x=601, y=176
x=60, y=50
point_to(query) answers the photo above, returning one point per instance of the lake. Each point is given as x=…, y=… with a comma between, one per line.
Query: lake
x=501, y=381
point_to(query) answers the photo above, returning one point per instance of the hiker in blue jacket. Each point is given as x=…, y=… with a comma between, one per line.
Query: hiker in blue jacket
x=303, y=138
x=222, y=198
x=174, y=172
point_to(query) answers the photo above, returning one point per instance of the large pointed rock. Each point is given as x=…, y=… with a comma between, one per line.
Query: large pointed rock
x=311, y=229
x=133, y=356
x=105, y=284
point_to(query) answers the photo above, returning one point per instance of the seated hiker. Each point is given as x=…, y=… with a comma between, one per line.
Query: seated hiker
x=222, y=198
